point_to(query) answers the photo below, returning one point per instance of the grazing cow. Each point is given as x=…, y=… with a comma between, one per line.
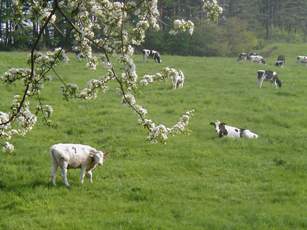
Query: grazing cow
x=229, y=131
x=151, y=53
x=281, y=61
x=268, y=75
x=178, y=79
x=75, y=156
x=301, y=59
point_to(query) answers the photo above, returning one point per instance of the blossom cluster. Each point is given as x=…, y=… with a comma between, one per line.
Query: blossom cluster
x=123, y=26
x=15, y=74
x=46, y=110
x=160, y=133
x=212, y=8
x=72, y=90
x=44, y=61
x=166, y=73
x=90, y=92
x=8, y=147
x=181, y=25
x=25, y=121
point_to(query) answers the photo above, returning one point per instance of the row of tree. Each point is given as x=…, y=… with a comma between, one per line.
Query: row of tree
x=244, y=25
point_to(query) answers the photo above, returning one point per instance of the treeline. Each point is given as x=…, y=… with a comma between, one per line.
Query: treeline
x=244, y=25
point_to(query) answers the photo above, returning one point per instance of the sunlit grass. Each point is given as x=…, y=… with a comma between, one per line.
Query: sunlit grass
x=195, y=181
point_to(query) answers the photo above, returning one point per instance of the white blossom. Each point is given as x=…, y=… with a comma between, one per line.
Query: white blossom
x=8, y=147
x=119, y=41
x=129, y=98
x=182, y=26
x=212, y=9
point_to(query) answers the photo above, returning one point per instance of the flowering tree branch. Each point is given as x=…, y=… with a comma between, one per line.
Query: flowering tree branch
x=122, y=27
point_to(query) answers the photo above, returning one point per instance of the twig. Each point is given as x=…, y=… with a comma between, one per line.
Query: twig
x=41, y=106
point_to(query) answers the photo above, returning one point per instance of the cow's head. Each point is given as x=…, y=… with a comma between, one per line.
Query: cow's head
x=220, y=128
x=157, y=57
x=278, y=82
x=98, y=157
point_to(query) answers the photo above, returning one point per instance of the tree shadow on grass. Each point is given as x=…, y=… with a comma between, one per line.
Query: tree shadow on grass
x=286, y=94
x=32, y=185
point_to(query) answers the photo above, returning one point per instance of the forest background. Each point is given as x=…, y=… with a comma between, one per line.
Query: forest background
x=245, y=25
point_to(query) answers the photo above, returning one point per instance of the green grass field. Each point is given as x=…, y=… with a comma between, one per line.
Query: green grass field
x=195, y=181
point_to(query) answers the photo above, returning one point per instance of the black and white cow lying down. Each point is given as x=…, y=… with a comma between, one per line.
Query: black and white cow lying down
x=253, y=57
x=268, y=75
x=229, y=131
x=301, y=59
x=153, y=54
x=245, y=56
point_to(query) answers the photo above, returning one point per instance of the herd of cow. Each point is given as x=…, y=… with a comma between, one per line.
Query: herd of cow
x=264, y=75
x=268, y=75
x=88, y=158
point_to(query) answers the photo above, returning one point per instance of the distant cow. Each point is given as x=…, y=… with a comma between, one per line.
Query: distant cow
x=245, y=56
x=257, y=59
x=251, y=56
x=281, y=61
x=242, y=57
x=229, y=131
x=268, y=75
x=301, y=59
x=151, y=53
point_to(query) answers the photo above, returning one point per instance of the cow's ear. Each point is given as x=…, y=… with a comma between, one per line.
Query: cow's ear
x=92, y=154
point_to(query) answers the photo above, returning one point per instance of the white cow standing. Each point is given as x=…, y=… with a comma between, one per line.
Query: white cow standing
x=68, y=156
x=178, y=79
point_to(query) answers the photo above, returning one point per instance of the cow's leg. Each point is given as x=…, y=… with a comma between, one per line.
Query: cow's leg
x=261, y=82
x=64, y=165
x=174, y=83
x=90, y=176
x=82, y=174
x=54, y=168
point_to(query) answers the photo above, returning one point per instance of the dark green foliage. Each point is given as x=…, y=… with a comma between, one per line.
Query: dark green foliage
x=209, y=39
x=244, y=25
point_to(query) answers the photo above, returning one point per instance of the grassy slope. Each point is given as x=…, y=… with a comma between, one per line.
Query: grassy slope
x=193, y=182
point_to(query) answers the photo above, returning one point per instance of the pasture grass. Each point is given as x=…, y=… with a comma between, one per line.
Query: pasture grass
x=195, y=181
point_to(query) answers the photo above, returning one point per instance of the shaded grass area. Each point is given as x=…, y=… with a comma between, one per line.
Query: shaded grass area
x=195, y=181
